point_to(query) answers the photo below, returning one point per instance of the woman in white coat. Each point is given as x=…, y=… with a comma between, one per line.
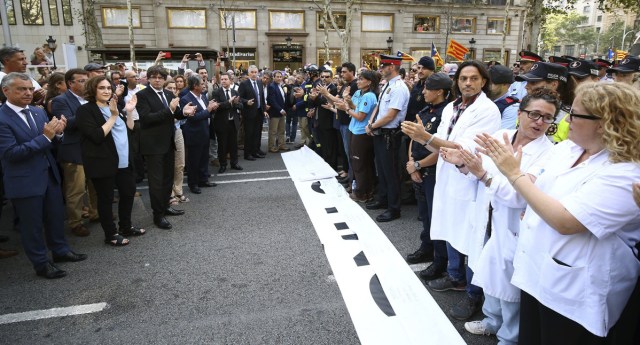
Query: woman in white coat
x=493, y=264
x=575, y=261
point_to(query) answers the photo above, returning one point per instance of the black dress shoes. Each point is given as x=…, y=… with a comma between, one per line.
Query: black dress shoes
x=258, y=155
x=170, y=211
x=207, y=184
x=249, y=158
x=375, y=205
x=4, y=238
x=195, y=189
x=420, y=256
x=70, y=257
x=222, y=169
x=50, y=271
x=261, y=153
x=388, y=216
x=7, y=253
x=236, y=167
x=432, y=272
x=162, y=223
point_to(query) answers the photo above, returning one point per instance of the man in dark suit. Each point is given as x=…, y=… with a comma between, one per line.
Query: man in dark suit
x=196, y=134
x=69, y=153
x=158, y=109
x=327, y=134
x=226, y=123
x=31, y=177
x=251, y=93
x=277, y=111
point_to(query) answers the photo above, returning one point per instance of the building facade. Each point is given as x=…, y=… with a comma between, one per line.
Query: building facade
x=271, y=33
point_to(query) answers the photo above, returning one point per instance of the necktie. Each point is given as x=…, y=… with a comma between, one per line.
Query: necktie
x=32, y=124
x=164, y=101
x=255, y=89
x=228, y=98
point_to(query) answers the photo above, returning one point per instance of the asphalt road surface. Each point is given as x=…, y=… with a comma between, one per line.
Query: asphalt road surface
x=242, y=266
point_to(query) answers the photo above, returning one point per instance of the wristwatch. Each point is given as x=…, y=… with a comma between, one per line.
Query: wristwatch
x=370, y=127
x=416, y=164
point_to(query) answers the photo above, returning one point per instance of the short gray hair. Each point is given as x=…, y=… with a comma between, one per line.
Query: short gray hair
x=9, y=78
x=193, y=81
x=7, y=52
x=252, y=67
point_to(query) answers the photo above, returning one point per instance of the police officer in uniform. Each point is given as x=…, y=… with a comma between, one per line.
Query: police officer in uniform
x=384, y=127
x=624, y=71
x=527, y=59
x=603, y=65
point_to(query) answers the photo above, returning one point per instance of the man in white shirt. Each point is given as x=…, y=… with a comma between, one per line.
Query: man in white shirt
x=14, y=60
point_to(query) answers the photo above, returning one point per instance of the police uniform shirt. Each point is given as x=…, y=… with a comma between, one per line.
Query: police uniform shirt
x=395, y=96
x=518, y=89
x=430, y=116
x=416, y=101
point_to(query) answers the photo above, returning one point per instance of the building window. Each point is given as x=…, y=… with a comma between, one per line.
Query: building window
x=371, y=57
x=32, y=12
x=11, y=14
x=244, y=19
x=118, y=17
x=426, y=23
x=67, y=18
x=569, y=50
x=187, y=18
x=586, y=9
x=53, y=12
x=377, y=22
x=339, y=17
x=498, y=2
x=493, y=54
x=334, y=55
x=496, y=25
x=599, y=18
x=465, y=25
x=556, y=50
x=281, y=20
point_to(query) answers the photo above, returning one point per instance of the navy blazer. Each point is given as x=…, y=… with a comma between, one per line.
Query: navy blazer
x=69, y=150
x=196, y=130
x=25, y=157
x=275, y=100
x=246, y=92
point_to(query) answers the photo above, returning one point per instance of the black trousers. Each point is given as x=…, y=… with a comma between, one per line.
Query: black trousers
x=361, y=148
x=250, y=140
x=540, y=325
x=257, y=136
x=126, y=185
x=160, y=175
x=329, y=146
x=385, y=147
x=138, y=161
x=227, y=142
x=197, y=162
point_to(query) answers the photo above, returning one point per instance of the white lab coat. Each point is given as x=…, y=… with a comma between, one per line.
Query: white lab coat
x=586, y=277
x=493, y=264
x=455, y=193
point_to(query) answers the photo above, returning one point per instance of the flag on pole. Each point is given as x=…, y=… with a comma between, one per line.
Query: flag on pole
x=620, y=54
x=405, y=56
x=436, y=56
x=456, y=50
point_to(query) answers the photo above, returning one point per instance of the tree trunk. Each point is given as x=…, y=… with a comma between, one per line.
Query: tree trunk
x=505, y=27
x=533, y=24
x=93, y=34
x=132, y=46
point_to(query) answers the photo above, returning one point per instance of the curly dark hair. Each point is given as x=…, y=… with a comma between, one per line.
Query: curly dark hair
x=91, y=87
x=547, y=95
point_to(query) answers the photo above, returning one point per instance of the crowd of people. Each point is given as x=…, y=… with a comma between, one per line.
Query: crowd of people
x=525, y=177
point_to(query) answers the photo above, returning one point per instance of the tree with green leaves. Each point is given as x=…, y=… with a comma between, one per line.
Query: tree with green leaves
x=564, y=29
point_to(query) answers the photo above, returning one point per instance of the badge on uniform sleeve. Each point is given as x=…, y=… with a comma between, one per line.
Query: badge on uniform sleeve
x=388, y=91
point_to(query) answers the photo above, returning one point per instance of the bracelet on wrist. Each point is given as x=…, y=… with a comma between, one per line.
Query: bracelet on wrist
x=429, y=141
x=483, y=177
x=513, y=183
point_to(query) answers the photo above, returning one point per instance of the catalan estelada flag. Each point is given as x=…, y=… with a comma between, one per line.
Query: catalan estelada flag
x=436, y=56
x=620, y=54
x=456, y=50
x=405, y=56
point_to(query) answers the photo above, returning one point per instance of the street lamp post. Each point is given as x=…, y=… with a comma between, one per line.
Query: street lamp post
x=52, y=45
x=390, y=44
x=472, y=48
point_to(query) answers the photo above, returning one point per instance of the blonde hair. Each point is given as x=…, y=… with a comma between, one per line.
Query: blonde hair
x=619, y=106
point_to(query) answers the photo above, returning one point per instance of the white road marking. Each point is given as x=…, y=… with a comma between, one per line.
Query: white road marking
x=415, y=267
x=255, y=179
x=53, y=312
x=253, y=172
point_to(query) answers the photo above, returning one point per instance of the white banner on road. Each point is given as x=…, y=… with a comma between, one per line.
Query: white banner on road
x=386, y=301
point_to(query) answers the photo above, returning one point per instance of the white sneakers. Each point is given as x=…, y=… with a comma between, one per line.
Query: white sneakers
x=476, y=327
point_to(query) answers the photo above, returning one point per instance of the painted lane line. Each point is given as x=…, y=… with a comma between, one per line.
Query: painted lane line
x=53, y=312
x=234, y=181
x=253, y=172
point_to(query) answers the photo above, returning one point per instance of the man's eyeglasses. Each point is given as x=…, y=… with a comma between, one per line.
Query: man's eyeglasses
x=582, y=116
x=414, y=70
x=535, y=116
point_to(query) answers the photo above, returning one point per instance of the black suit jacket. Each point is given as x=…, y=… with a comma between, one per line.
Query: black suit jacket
x=246, y=93
x=226, y=109
x=196, y=130
x=156, y=122
x=99, y=152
